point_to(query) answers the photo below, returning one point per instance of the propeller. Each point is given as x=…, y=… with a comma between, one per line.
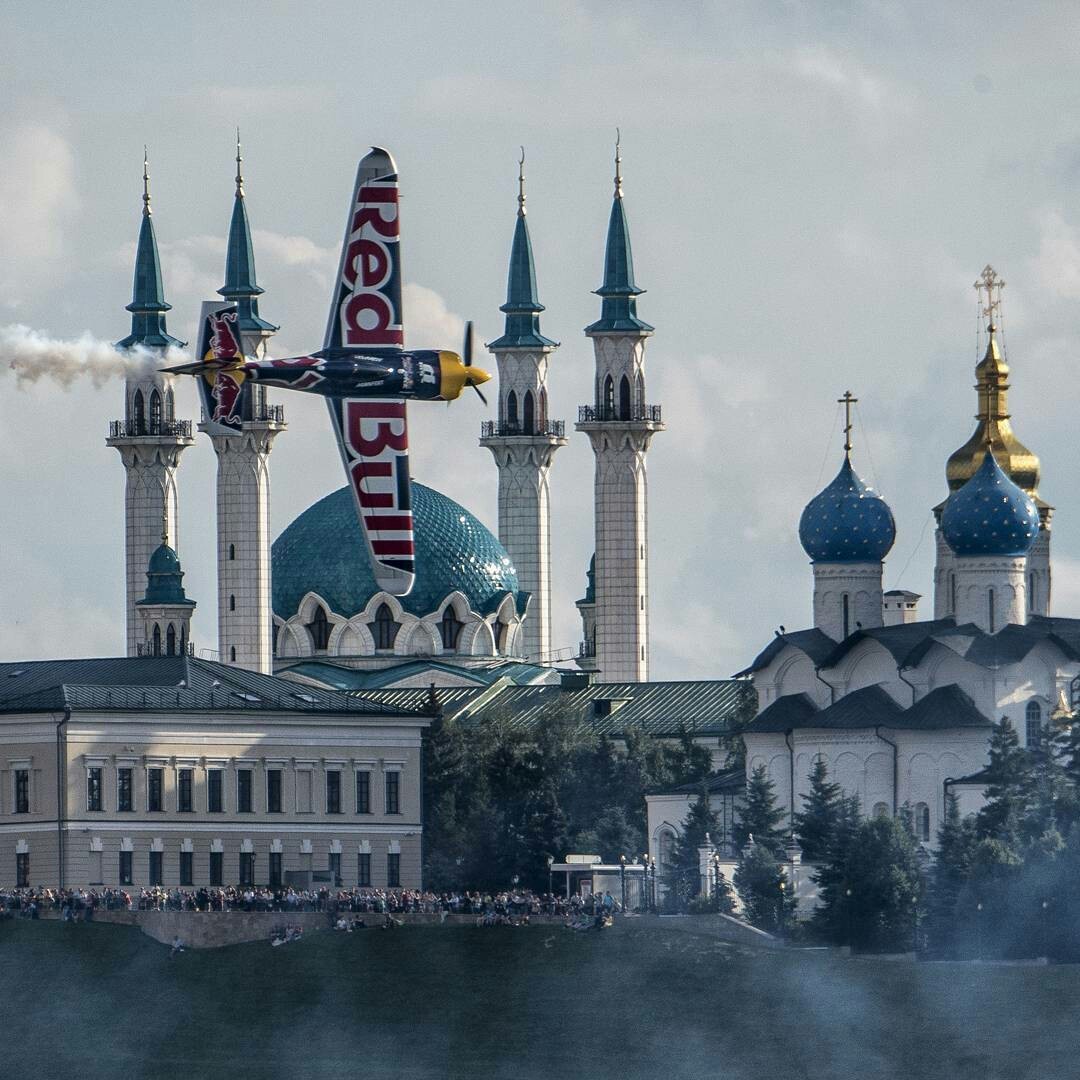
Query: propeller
x=466, y=357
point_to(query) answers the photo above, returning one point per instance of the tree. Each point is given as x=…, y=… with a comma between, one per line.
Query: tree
x=816, y=823
x=763, y=888
x=952, y=867
x=1009, y=791
x=832, y=919
x=701, y=823
x=759, y=816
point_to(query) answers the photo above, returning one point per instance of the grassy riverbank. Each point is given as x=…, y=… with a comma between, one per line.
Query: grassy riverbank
x=90, y=1001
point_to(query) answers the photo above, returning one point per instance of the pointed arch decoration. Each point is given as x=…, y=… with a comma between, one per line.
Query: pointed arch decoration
x=511, y=410
x=528, y=419
x=624, y=398
x=138, y=413
x=156, y=640
x=170, y=641
x=609, y=398
x=155, y=412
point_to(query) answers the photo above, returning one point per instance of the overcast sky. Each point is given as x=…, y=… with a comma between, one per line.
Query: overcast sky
x=812, y=189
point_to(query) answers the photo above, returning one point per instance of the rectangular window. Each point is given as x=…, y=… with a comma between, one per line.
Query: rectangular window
x=363, y=792
x=275, y=868
x=335, y=868
x=187, y=873
x=1034, y=733
x=247, y=867
x=393, y=870
x=333, y=791
x=214, y=787
x=156, y=877
x=363, y=869
x=393, y=793
x=273, y=791
x=125, y=799
x=217, y=863
x=125, y=867
x=93, y=788
x=22, y=791
x=243, y=791
x=22, y=870
x=155, y=784
x=185, y=780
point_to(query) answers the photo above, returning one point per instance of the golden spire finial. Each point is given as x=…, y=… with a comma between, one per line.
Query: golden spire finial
x=146, y=182
x=239, y=174
x=521, y=184
x=618, y=165
x=847, y=401
x=989, y=281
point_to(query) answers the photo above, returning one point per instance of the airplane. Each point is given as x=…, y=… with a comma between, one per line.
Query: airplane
x=363, y=370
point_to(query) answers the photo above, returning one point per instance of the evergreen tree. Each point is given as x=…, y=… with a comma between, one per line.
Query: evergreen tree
x=952, y=867
x=832, y=919
x=762, y=885
x=816, y=822
x=759, y=816
x=1009, y=791
x=684, y=875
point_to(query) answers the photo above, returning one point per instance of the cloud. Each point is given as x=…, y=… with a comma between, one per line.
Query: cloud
x=38, y=197
x=1057, y=265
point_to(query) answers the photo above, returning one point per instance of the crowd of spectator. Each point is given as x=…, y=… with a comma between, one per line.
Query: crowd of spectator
x=515, y=906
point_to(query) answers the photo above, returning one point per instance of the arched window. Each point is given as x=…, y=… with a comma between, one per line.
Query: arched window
x=183, y=640
x=138, y=414
x=232, y=654
x=319, y=628
x=156, y=646
x=665, y=848
x=528, y=420
x=1033, y=726
x=609, y=398
x=383, y=628
x=170, y=640
x=155, y=413
x=990, y=609
x=880, y=810
x=624, y=398
x=541, y=416
x=922, y=822
x=498, y=632
x=450, y=628
x=1031, y=591
x=232, y=603
x=170, y=406
x=232, y=552
x=511, y=410
x=952, y=592
x=639, y=387
x=847, y=615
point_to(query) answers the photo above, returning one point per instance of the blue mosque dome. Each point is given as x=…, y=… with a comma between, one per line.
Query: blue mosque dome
x=848, y=522
x=990, y=515
x=323, y=551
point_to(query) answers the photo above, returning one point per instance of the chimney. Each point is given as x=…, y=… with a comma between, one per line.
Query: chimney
x=899, y=606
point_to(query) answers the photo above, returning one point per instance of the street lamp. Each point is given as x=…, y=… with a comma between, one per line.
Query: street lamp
x=847, y=910
x=780, y=912
x=550, y=862
x=978, y=930
x=622, y=880
x=645, y=884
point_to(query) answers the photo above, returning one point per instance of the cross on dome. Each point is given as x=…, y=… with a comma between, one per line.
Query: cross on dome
x=989, y=281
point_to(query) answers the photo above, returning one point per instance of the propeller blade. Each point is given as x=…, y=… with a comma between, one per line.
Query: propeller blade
x=466, y=352
x=479, y=392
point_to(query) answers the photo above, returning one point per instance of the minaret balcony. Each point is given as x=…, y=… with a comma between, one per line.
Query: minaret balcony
x=649, y=414
x=550, y=429
x=164, y=429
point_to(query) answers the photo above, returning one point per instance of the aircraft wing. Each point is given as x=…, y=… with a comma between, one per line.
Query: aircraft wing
x=366, y=315
x=373, y=438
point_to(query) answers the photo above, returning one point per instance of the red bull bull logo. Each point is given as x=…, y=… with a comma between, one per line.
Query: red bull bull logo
x=224, y=340
x=226, y=394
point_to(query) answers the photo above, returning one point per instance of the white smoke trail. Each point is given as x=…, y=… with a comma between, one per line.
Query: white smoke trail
x=33, y=356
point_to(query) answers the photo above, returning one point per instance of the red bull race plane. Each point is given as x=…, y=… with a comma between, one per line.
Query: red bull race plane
x=363, y=370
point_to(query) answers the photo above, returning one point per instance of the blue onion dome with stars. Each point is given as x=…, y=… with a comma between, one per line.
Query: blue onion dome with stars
x=848, y=522
x=990, y=515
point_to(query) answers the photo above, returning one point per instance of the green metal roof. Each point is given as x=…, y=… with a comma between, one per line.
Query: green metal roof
x=522, y=307
x=167, y=683
x=618, y=313
x=240, y=284
x=165, y=579
x=323, y=551
x=346, y=678
x=148, y=304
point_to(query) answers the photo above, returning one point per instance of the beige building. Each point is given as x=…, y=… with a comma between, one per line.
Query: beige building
x=183, y=772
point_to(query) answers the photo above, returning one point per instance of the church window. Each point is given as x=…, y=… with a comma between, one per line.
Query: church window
x=1033, y=725
x=847, y=615
x=383, y=628
x=665, y=848
x=156, y=639
x=1031, y=592
x=232, y=552
x=880, y=810
x=155, y=413
x=170, y=406
x=922, y=822
x=498, y=631
x=232, y=654
x=528, y=421
x=609, y=398
x=990, y=609
x=232, y=602
x=138, y=414
x=319, y=628
x=450, y=628
x=170, y=640
x=511, y=410
x=952, y=592
x=624, y=398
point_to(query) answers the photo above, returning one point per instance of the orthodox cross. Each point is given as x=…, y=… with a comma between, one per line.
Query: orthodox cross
x=989, y=281
x=847, y=401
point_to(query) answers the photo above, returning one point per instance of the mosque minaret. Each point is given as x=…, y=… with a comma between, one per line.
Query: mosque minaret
x=245, y=617
x=523, y=440
x=149, y=437
x=620, y=426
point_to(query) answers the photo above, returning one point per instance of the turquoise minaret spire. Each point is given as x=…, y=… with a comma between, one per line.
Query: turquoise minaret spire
x=148, y=305
x=619, y=291
x=240, y=284
x=522, y=307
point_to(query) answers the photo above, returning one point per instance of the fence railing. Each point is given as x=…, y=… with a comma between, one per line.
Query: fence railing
x=588, y=414
x=492, y=428
x=163, y=429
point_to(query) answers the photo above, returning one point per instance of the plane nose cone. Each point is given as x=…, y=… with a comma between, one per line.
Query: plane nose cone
x=478, y=375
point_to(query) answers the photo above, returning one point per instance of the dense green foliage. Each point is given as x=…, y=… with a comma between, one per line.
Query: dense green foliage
x=683, y=876
x=760, y=817
x=499, y=799
x=766, y=894
x=817, y=821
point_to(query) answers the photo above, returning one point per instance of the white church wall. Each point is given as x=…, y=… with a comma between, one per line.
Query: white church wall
x=868, y=664
x=790, y=672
